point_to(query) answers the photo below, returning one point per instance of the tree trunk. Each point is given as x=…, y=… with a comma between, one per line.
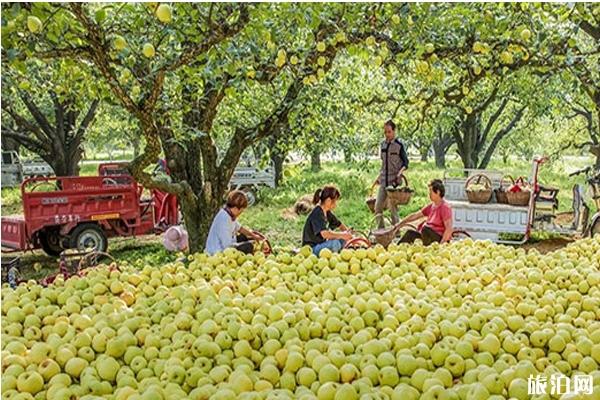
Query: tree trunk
x=73, y=162
x=277, y=157
x=441, y=144
x=198, y=216
x=315, y=160
x=9, y=144
x=136, y=146
x=347, y=156
x=466, y=146
x=424, y=153
x=595, y=150
x=65, y=166
x=440, y=156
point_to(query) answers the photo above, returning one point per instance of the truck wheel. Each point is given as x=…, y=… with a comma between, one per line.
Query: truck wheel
x=50, y=241
x=88, y=236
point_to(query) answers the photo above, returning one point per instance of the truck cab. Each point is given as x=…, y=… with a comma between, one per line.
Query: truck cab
x=12, y=170
x=15, y=170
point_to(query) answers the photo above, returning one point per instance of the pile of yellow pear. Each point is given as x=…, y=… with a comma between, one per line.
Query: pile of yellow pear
x=467, y=320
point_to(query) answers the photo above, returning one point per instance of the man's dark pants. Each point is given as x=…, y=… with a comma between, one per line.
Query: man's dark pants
x=427, y=236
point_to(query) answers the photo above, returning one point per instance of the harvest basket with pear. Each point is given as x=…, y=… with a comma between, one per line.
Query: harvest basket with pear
x=479, y=189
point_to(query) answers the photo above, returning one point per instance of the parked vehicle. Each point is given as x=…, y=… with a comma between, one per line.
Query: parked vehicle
x=36, y=168
x=513, y=224
x=83, y=212
x=580, y=218
x=14, y=170
x=250, y=179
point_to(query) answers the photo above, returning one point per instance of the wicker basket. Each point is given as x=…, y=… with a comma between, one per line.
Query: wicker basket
x=371, y=203
x=385, y=236
x=479, y=196
x=500, y=192
x=519, y=198
x=372, y=199
x=401, y=195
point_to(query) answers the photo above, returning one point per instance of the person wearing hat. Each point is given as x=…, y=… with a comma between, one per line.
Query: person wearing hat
x=225, y=231
x=394, y=162
x=175, y=239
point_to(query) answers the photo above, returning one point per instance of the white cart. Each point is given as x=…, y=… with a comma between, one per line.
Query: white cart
x=495, y=221
x=492, y=220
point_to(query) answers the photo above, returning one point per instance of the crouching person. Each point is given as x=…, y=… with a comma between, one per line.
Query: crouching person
x=176, y=238
x=321, y=225
x=438, y=226
x=226, y=231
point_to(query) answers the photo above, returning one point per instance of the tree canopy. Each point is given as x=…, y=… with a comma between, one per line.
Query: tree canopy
x=202, y=82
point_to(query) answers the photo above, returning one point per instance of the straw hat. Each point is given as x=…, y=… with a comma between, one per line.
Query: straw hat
x=175, y=238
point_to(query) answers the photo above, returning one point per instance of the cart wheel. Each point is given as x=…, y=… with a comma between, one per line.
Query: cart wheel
x=595, y=228
x=50, y=241
x=88, y=236
x=460, y=235
x=357, y=243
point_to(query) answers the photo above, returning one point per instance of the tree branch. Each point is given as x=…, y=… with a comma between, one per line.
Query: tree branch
x=87, y=120
x=99, y=55
x=499, y=135
x=65, y=52
x=489, y=100
x=591, y=30
x=223, y=32
x=27, y=141
x=39, y=117
x=59, y=115
x=23, y=123
x=493, y=118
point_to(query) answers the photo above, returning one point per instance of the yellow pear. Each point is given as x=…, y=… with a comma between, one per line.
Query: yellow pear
x=119, y=43
x=148, y=50
x=164, y=14
x=34, y=24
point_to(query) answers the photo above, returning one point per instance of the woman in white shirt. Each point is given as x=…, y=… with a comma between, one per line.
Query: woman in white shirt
x=225, y=231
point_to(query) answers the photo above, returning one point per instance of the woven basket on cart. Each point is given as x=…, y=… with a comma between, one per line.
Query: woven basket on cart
x=520, y=198
x=400, y=195
x=479, y=189
x=501, y=191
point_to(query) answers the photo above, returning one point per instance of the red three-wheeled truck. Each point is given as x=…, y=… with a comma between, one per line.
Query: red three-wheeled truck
x=83, y=212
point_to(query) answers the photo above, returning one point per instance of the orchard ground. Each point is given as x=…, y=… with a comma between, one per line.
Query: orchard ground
x=273, y=217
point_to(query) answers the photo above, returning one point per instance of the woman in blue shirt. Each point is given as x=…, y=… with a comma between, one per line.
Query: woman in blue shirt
x=226, y=231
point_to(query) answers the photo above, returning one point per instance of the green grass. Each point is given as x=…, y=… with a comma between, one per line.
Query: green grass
x=11, y=201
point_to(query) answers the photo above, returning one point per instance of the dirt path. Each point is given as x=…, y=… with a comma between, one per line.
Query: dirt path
x=549, y=245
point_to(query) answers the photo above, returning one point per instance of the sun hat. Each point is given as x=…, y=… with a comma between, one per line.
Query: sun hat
x=175, y=238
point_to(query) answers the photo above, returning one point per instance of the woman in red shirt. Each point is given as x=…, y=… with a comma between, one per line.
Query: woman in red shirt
x=438, y=226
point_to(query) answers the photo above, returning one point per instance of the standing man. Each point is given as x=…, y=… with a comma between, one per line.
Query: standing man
x=394, y=162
